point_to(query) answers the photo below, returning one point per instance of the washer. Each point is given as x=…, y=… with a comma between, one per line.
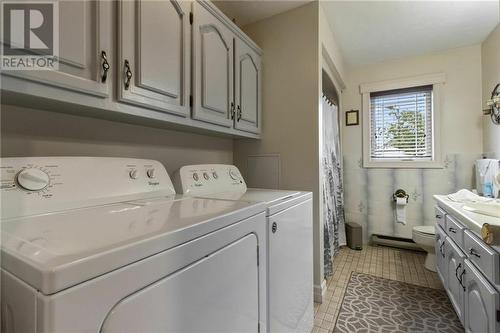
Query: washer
x=105, y=245
x=290, y=239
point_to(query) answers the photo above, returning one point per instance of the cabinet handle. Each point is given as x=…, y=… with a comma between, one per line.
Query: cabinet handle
x=452, y=230
x=461, y=279
x=238, y=113
x=439, y=217
x=274, y=227
x=456, y=273
x=232, y=110
x=105, y=66
x=441, y=249
x=474, y=253
x=128, y=74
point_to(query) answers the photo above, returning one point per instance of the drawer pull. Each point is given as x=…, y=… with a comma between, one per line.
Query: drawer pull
x=474, y=253
x=441, y=249
x=452, y=230
x=439, y=217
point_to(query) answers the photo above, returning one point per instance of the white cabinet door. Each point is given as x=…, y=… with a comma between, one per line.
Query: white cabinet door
x=481, y=302
x=218, y=293
x=248, y=76
x=85, y=47
x=441, y=254
x=454, y=275
x=153, y=44
x=212, y=67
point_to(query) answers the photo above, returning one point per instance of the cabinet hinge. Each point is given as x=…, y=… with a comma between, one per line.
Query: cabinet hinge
x=190, y=17
x=258, y=260
x=190, y=101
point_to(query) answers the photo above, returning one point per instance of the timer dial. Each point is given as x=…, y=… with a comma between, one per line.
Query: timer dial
x=33, y=179
x=233, y=174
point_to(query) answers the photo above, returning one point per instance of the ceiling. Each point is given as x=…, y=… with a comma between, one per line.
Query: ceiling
x=249, y=11
x=375, y=31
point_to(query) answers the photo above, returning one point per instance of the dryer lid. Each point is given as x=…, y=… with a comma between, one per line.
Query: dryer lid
x=425, y=229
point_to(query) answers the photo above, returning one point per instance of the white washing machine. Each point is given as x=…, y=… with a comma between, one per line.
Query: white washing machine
x=290, y=239
x=105, y=245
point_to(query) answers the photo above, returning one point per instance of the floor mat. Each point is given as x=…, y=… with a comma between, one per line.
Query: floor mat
x=374, y=304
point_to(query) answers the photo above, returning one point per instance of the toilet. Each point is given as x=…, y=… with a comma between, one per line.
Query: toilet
x=423, y=236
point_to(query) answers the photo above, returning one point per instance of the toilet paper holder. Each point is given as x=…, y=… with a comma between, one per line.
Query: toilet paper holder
x=400, y=194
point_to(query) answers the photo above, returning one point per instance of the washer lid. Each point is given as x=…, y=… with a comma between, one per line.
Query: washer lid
x=425, y=229
x=56, y=251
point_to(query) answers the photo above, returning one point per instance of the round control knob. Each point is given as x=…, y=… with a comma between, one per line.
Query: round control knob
x=33, y=179
x=133, y=174
x=233, y=174
x=195, y=177
x=215, y=175
x=206, y=176
x=151, y=173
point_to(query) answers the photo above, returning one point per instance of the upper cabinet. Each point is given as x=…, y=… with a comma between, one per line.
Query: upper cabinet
x=178, y=62
x=85, y=50
x=248, y=78
x=213, y=99
x=154, y=59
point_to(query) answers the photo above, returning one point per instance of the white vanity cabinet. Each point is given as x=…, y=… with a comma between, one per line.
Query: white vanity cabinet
x=85, y=51
x=154, y=54
x=481, y=302
x=469, y=272
x=454, y=277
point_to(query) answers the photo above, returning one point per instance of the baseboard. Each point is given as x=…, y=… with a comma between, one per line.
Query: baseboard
x=319, y=292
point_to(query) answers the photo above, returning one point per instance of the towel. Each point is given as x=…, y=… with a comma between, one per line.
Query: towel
x=467, y=196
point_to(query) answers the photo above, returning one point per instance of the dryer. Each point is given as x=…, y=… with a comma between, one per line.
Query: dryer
x=105, y=245
x=290, y=239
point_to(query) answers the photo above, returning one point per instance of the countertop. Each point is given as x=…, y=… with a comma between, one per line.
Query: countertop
x=471, y=220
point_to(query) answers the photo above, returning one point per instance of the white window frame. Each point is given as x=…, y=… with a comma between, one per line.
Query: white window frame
x=436, y=80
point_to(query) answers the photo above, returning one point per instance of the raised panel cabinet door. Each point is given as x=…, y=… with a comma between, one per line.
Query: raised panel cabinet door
x=440, y=255
x=454, y=284
x=248, y=78
x=153, y=46
x=212, y=67
x=481, y=302
x=85, y=49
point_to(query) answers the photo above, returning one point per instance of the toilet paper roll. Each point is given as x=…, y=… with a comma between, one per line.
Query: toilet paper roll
x=490, y=234
x=401, y=210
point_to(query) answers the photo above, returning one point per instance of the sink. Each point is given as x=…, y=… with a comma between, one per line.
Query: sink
x=490, y=208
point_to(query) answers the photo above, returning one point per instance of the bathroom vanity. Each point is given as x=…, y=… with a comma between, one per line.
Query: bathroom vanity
x=467, y=266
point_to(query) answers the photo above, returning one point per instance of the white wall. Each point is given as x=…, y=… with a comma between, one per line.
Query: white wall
x=28, y=132
x=368, y=191
x=290, y=104
x=491, y=76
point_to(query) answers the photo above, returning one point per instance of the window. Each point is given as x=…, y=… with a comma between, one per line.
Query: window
x=400, y=122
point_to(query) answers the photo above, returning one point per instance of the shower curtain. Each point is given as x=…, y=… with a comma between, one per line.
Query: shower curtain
x=333, y=192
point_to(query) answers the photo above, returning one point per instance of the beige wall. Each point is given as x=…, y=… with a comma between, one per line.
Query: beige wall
x=27, y=132
x=491, y=76
x=368, y=191
x=290, y=103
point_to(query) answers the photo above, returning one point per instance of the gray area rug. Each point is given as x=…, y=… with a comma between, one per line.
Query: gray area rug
x=375, y=304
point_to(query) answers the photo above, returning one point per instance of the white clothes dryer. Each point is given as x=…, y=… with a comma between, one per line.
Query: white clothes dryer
x=290, y=239
x=105, y=245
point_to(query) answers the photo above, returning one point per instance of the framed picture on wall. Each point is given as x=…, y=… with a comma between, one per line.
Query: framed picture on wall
x=352, y=118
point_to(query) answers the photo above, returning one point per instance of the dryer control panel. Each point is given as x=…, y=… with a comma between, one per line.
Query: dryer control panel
x=205, y=179
x=36, y=185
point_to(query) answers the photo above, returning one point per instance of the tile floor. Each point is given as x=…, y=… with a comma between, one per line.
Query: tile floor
x=390, y=263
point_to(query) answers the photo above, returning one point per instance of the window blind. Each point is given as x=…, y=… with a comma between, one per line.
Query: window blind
x=401, y=124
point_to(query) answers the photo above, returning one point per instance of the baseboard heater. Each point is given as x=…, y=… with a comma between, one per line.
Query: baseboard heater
x=399, y=242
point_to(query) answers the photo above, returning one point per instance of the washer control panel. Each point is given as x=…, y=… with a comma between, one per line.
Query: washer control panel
x=35, y=185
x=204, y=179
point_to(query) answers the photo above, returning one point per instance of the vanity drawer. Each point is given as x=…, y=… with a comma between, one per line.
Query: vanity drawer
x=455, y=230
x=440, y=217
x=482, y=256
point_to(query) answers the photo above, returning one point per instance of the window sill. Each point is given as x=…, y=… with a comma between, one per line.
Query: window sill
x=396, y=164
